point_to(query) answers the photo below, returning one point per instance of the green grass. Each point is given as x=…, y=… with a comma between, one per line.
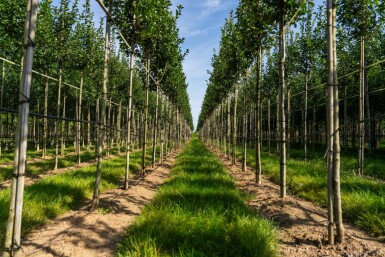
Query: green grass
x=43, y=165
x=55, y=195
x=199, y=212
x=363, y=200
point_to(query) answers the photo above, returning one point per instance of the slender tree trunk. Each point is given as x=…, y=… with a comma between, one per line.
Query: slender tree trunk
x=244, y=125
x=330, y=123
x=129, y=120
x=45, y=130
x=155, y=131
x=57, y=115
x=289, y=127
x=228, y=128
x=305, y=130
x=336, y=144
x=1, y=106
x=345, y=120
x=89, y=128
x=277, y=127
x=62, y=127
x=12, y=244
x=369, y=123
x=258, y=164
x=281, y=101
x=79, y=117
x=162, y=107
x=119, y=126
x=268, y=127
x=235, y=127
x=361, y=144
x=102, y=121
x=144, y=147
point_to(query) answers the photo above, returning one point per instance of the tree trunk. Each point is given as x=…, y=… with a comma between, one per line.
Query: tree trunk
x=228, y=127
x=45, y=129
x=155, y=131
x=119, y=126
x=281, y=101
x=268, y=127
x=62, y=142
x=361, y=143
x=305, y=131
x=12, y=244
x=235, y=127
x=244, y=125
x=336, y=147
x=144, y=147
x=258, y=164
x=129, y=120
x=102, y=121
x=79, y=117
x=289, y=127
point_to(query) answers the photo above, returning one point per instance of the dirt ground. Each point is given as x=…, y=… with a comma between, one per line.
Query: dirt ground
x=81, y=233
x=301, y=224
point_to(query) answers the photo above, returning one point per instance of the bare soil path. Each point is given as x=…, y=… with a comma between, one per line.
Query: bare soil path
x=81, y=233
x=301, y=224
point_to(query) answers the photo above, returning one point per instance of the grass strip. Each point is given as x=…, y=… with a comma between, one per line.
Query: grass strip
x=363, y=200
x=199, y=212
x=42, y=165
x=57, y=194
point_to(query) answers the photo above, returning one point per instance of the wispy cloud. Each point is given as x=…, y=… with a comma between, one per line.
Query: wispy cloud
x=210, y=7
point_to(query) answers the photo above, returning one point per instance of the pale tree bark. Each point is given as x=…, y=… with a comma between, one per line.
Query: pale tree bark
x=155, y=131
x=305, y=128
x=102, y=120
x=334, y=193
x=268, y=127
x=281, y=121
x=228, y=127
x=289, y=127
x=45, y=129
x=62, y=127
x=258, y=164
x=162, y=122
x=144, y=146
x=330, y=123
x=337, y=148
x=119, y=126
x=244, y=125
x=361, y=142
x=1, y=106
x=129, y=121
x=79, y=115
x=12, y=245
x=234, y=127
x=89, y=128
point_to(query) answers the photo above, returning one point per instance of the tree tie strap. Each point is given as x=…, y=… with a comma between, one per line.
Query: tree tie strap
x=18, y=175
x=30, y=43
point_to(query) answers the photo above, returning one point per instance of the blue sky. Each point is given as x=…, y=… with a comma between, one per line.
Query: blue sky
x=200, y=25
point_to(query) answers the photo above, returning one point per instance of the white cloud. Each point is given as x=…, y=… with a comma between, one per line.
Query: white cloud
x=212, y=3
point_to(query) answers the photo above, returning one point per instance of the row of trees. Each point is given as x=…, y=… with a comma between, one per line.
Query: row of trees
x=264, y=67
x=122, y=78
